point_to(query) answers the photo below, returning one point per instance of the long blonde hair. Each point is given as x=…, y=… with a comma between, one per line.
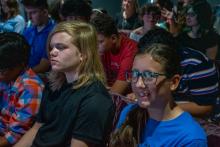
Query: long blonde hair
x=84, y=37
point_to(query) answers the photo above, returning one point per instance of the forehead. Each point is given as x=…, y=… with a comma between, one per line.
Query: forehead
x=32, y=9
x=61, y=37
x=146, y=62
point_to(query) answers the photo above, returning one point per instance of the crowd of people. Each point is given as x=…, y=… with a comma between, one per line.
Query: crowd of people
x=72, y=75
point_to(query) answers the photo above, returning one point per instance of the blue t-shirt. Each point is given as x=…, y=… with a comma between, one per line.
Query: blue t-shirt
x=38, y=42
x=180, y=131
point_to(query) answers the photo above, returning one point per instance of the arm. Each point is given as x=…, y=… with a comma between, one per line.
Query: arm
x=27, y=139
x=79, y=143
x=4, y=142
x=128, y=52
x=26, y=102
x=42, y=67
x=119, y=87
x=212, y=52
x=195, y=109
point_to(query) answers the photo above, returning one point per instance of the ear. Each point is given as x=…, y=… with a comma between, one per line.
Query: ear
x=81, y=58
x=114, y=38
x=174, y=82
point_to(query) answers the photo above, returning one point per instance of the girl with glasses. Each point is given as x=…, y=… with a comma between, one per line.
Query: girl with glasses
x=156, y=120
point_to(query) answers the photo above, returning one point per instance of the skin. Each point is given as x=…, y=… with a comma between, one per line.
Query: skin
x=157, y=98
x=39, y=17
x=192, y=22
x=64, y=57
x=112, y=44
x=150, y=21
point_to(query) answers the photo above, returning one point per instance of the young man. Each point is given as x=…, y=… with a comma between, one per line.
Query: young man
x=20, y=89
x=37, y=32
x=117, y=52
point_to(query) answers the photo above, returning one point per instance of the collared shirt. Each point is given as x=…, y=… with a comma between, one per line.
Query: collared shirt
x=19, y=103
x=38, y=41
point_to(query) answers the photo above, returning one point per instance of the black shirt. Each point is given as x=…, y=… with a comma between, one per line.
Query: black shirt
x=85, y=114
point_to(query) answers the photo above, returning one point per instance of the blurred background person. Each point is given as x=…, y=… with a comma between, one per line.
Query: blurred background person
x=11, y=20
x=128, y=19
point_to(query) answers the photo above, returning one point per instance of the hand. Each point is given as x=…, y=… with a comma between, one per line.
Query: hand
x=166, y=13
x=131, y=98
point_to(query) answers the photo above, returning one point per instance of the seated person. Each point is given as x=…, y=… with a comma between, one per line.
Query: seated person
x=12, y=21
x=155, y=120
x=117, y=52
x=198, y=88
x=201, y=36
x=37, y=32
x=150, y=15
x=20, y=89
x=76, y=109
x=76, y=10
x=128, y=19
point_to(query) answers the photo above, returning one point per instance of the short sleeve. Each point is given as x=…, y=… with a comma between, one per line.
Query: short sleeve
x=94, y=118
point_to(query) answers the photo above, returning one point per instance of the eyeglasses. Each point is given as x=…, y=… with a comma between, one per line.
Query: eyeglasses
x=148, y=77
x=191, y=14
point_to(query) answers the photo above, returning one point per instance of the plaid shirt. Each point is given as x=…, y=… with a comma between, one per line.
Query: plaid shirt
x=19, y=103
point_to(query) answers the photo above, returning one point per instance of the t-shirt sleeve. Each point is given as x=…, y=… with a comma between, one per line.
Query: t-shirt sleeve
x=94, y=119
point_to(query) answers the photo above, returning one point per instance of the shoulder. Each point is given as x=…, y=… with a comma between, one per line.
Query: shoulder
x=127, y=43
x=124, y=114
x=31, y=79
x=192, y=56
x=194, y=131
x=95, y=92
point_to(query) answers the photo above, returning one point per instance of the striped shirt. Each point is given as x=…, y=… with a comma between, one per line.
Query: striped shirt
x=199, y=81
x=19, y=103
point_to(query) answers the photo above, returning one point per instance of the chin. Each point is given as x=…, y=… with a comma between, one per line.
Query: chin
x=144, y=104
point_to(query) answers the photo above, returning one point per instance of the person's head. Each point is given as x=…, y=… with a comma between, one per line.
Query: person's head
x=98, y=11
x=155, y=75
x=150, y=14
x=37, y=11
x=164, y=4
x=72, y=47
x=130, y=6
x=76, y=10
x=55, y=10
x=199, y=14
x=14, y=55
x=10, y=8
x=157, y=52
x=107, y=32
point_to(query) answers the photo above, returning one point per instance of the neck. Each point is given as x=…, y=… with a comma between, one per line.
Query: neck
x=117, y=45
x=194, y=32
x=146, y=28
x=168, y=112
x=71, y=76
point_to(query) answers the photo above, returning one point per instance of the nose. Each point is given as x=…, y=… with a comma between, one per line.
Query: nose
x=140, y=83
x=54, y=52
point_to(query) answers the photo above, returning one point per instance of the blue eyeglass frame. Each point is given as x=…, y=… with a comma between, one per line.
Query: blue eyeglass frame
x=144, y=74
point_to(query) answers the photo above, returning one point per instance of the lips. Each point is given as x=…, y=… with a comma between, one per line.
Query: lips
x=53, y=62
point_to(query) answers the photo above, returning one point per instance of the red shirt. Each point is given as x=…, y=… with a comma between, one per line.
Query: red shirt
x=116, y=65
